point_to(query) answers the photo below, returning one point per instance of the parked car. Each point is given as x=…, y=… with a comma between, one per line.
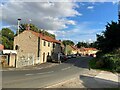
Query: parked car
x=92, y=55
x=73, y=56
x=78, y=54
x=63, y=58
x=69, y=56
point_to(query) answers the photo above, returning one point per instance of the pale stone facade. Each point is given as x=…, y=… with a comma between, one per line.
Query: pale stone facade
x=36, y=45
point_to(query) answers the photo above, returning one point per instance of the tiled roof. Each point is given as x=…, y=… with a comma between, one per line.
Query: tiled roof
x=1, y=47
x=74, y=47
x=87, y=49
x=44, y=37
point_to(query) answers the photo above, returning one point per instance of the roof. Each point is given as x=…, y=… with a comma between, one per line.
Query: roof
x=44, y=37
x=1, y=47
x=74, y=47
x=87, y=49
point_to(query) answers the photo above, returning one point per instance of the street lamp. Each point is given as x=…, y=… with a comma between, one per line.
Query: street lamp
x=18, y=25
x=18, y=31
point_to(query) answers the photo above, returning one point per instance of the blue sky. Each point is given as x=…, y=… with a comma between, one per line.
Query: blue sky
x=79, y=21
x=94, y=18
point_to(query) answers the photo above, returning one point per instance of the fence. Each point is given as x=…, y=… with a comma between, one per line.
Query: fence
x=25, y=60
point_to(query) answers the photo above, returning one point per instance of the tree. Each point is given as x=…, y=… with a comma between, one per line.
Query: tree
x=110, y=38
x=93, y=44
x=82, y=44
x=68, y=42
x=36, y=29
x=7, y=38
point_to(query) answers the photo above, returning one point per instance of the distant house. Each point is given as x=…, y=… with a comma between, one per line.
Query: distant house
x=88, y=51
x=69, y=49
x=1, y=48
x=34, y=48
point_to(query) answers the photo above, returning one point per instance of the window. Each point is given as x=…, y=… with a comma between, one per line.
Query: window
x=53, y=45
x=16, y=47
x=48, y=44
x=44, y=43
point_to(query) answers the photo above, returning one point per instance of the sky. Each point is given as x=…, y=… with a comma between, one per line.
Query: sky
x=70, y=20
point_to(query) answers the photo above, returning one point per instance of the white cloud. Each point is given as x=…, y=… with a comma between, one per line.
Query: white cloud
x=79, y=33
x=46, y=15
x=90, y=7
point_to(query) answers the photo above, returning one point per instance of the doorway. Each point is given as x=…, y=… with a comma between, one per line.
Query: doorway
x=43, y=57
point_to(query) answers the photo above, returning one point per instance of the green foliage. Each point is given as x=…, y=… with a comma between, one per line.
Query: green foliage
x=7, y=38
x=109, y=61
x=6, y=32
x=99, y=64
x=48, y=34
x=68, y=42
x=92, y=63
x=34, y=28
x=109, y=44
x=83, y=44
x=109, y=40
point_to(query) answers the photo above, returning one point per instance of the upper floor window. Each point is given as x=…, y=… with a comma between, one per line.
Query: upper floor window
x=44, y=43
x=48, y=44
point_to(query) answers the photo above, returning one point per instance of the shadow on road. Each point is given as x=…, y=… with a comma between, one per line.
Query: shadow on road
x=81, y=62
x=93, y=82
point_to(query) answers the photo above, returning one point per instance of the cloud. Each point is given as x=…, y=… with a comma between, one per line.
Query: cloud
x=79, y=33
x=46, y=15
x=90, y=7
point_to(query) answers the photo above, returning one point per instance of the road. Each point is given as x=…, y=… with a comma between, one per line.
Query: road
x=40, y=78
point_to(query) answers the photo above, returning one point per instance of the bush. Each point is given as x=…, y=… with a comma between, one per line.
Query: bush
x=99, y=64
x=118, y=69
x=109, y=61
x=92, y=63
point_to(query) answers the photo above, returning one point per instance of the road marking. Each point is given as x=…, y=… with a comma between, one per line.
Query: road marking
x=65, y=68
x=45, y=72
x=29, y=74
x=39, y=73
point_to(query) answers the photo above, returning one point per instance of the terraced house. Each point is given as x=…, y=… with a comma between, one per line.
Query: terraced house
x=34, y=48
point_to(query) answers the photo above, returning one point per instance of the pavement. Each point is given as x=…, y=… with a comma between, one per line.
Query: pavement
x=92, y=79
x=32, y=67
x=71, y=74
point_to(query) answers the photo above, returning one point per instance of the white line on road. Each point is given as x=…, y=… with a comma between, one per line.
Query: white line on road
x=46, y=72
x=65, y=68
x=29, y=74
x=39, y=73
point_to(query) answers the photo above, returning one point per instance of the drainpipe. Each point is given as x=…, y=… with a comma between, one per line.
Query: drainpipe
x=39, y=46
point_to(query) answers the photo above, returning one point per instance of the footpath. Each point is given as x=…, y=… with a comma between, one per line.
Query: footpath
x=92, y=79
x=38, y=66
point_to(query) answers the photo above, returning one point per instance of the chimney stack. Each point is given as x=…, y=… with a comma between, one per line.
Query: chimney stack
x=28, y=27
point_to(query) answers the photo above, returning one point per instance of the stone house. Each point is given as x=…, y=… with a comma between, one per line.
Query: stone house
x=88, y=51
x=34, y=48
x=69, y=49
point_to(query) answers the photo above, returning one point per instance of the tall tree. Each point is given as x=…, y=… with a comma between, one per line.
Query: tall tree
x=110, y=38
x=7, y=38
x=68, y=42
x=34, y=28
x=82, y=44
